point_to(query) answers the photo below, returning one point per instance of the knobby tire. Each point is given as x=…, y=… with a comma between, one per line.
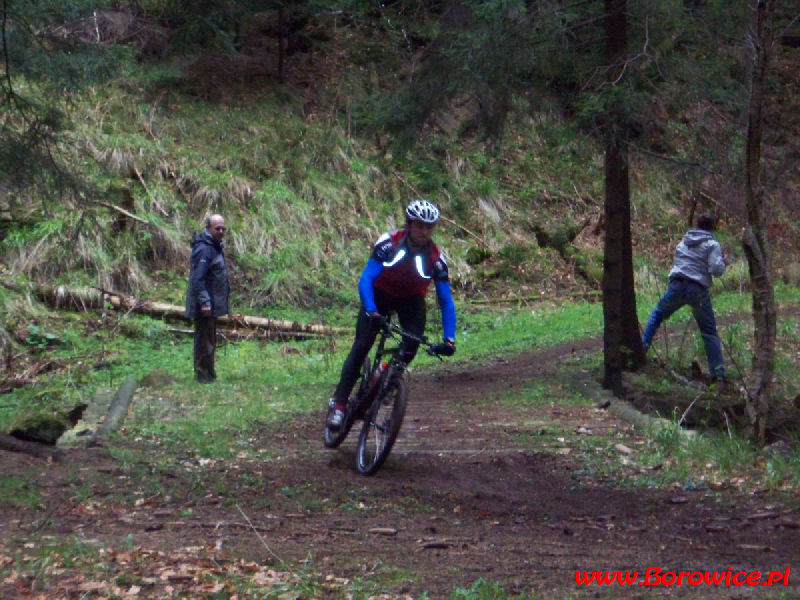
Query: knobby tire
x=381, y=425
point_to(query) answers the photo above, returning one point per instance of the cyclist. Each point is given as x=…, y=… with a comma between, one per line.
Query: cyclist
x=396, y=278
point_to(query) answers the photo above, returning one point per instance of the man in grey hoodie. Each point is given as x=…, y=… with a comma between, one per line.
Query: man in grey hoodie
x=698, y=257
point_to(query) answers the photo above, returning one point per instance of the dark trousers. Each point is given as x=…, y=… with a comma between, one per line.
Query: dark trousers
x=205, y=345
x=411, y=314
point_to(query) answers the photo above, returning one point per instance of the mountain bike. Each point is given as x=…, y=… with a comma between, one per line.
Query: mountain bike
x=380, y=400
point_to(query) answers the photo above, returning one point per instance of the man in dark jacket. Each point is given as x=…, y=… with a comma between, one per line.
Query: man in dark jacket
x=207, y=295
x=698, y=257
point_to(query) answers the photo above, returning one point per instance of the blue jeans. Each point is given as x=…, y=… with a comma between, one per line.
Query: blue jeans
x=682, y=291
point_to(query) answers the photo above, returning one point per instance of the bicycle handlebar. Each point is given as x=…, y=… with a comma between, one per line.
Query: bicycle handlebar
x=436, y=350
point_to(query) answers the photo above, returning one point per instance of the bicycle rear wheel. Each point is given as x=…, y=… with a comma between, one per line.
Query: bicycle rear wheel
x=381, y=426
x=334, y=438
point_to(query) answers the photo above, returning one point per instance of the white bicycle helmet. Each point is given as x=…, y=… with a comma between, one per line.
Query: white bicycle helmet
x=422, y=210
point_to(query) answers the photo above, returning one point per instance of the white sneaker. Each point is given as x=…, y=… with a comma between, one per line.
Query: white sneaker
x=335, y=419
x=335, y=415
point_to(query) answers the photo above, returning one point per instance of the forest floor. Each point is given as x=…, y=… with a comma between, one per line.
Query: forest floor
x=474, y=488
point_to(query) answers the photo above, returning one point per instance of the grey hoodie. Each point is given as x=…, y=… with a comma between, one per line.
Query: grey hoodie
x=698, y=257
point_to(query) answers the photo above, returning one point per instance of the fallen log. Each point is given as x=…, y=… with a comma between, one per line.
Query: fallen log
x=587, y=294
x=233, y=321
x=243, y=335
x=87, y=298
x=12, y=444
x=60, y=296
x=117, y=411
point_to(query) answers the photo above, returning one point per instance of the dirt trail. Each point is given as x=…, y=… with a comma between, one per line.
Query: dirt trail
x=505, y=510
x=472, y=489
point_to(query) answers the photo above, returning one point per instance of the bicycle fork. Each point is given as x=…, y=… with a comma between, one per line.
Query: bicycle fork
x=395, y=368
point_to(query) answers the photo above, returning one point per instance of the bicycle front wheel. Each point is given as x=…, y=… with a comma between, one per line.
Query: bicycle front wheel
x=381, y=426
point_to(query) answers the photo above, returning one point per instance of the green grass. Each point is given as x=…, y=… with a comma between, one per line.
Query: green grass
x=713, y=460
x=728, y=303
x=16, y=491
x=485, y=589
x=263, y=383
x=48, y=560
x=44, y=568
x=266, y=380
x=278, y=177
x=259, y=382
x=733, y=310
x=486, y=333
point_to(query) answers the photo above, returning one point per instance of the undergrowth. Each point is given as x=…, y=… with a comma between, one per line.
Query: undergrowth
x=305, y=197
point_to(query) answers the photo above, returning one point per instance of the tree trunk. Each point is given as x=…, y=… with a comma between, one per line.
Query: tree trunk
x=93, y=298
x=120, y=302
x=754, y=239
x=622, y=344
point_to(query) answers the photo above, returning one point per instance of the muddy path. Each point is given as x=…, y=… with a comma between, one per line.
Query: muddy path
x=474, y=488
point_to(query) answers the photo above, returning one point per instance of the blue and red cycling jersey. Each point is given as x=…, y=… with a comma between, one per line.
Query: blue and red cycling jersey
x=397, y=270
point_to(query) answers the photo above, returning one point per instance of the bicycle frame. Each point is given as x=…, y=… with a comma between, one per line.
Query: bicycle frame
x=392, y=330
x=390, y=391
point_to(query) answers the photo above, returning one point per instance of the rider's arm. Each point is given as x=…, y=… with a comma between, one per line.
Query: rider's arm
x=448, y=308
x=366, y=284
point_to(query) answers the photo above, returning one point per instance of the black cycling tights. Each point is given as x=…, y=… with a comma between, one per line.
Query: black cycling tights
x=411, y=314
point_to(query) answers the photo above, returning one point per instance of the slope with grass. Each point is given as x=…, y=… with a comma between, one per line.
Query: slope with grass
x=306, y=193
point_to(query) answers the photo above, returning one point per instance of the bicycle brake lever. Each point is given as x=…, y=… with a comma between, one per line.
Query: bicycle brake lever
x=432, y=351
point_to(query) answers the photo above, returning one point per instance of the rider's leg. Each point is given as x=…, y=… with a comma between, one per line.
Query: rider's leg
x=412, y=315
x=351, y=369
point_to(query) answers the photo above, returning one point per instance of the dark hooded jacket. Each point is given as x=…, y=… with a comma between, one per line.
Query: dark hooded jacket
x=208, y=277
